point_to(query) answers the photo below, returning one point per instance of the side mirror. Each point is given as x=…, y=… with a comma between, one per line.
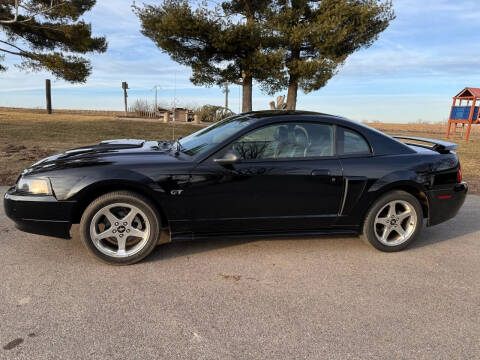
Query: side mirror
x=228, y=159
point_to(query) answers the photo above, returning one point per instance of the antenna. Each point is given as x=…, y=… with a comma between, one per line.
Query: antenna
x=174, y=105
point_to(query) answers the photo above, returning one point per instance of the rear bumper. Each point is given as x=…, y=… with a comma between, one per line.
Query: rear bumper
x=43, y=215
x=444, y=203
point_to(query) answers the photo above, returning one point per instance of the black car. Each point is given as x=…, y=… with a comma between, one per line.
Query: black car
x=269, y=173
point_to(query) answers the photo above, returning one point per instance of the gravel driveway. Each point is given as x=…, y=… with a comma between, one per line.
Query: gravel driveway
x=306, y=298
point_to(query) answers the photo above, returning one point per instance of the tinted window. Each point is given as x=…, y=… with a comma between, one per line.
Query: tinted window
x=352, y=143
x=205, y=139
x=284, y=141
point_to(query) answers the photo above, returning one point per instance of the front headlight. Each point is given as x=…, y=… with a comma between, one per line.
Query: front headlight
x=34, y=186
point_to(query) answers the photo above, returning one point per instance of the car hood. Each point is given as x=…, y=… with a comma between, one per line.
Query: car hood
x=108, y=152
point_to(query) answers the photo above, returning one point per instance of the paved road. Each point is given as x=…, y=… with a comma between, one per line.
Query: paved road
x=322, y=298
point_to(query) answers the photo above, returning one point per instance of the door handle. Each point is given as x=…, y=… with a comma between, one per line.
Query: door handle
x=321, y=172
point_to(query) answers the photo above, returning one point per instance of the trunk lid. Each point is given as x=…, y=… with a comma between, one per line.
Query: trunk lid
x=439, y=146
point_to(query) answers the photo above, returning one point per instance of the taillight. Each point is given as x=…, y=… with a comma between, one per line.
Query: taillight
x=459, y=174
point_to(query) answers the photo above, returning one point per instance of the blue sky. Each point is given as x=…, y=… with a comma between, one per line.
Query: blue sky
x=428, y=54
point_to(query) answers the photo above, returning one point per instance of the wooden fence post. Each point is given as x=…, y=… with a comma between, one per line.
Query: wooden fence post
x=125, y=95
x=48, y=92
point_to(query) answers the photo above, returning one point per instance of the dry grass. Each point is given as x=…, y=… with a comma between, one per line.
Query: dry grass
x=109, y=113
x=27, y=135
x=439, y=129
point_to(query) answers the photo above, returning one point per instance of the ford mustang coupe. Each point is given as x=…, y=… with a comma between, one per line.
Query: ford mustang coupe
x=272, y=173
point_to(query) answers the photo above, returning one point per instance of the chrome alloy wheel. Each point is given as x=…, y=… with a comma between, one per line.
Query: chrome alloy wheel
x=119, y=230
x=395, y=223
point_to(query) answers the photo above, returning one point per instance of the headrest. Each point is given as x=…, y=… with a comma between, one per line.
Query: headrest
x=281, y=133
x=301, y=138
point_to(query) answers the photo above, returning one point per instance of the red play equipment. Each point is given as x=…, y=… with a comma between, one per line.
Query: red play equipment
x=464, y=113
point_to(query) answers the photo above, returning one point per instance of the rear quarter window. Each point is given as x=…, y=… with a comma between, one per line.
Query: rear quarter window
x=351, y=142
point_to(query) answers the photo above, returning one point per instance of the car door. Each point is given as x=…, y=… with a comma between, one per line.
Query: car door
x=287, y=178
x=355, y=155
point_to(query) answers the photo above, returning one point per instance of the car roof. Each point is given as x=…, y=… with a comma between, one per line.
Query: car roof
x=272, y=113
x=381, y=143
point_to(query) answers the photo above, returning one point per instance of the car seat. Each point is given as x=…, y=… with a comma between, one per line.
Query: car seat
x=301, y=143
x=282, y=146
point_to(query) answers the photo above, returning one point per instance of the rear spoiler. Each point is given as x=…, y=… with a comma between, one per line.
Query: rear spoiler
x=437, y=145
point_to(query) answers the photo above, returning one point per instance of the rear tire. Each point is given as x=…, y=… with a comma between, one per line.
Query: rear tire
x=120, y=228
x=393, y=222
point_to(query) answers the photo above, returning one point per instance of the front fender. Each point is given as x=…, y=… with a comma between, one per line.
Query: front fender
x=73, y=187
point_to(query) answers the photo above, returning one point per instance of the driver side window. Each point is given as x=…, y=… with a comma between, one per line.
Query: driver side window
x=285, y=141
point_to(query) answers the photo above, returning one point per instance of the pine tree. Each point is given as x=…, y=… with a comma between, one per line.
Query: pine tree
x=318, y=36
x=48, y=35
x=228, y=43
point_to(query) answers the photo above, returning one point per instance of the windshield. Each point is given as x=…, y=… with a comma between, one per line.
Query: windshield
x=205, y=139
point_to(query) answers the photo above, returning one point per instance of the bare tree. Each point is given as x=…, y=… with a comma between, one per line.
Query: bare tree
x=252, y=149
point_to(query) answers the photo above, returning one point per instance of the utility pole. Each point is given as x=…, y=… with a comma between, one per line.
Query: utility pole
x=48, y=92
x=125, y=95
x=226, y=94
x=156, y=101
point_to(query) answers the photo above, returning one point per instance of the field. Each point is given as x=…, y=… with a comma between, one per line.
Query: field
x=27, y=135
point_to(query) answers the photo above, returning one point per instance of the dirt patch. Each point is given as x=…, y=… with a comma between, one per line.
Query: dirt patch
x=23, y=153
x=230, y=277
x=15, y=158
x=11, y=149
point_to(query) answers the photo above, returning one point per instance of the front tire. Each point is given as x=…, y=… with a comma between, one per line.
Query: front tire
x=120, y=228
x=393, y=222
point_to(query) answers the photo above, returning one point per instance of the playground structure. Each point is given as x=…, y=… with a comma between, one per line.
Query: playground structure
x=464, y=111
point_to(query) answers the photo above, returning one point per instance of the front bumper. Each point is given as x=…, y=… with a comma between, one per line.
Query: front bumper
x=43, y=215
x=444, y=203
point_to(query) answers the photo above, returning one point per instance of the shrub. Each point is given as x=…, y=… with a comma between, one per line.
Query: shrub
x=212, y=113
